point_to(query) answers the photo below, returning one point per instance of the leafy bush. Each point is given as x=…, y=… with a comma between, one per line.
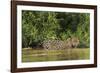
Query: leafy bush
x=38, y=26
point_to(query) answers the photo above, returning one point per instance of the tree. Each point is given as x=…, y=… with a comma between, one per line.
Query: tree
x=38, y=26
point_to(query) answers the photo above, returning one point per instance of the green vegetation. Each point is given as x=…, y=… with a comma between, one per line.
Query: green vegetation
x=38, y=26
x=31, y=55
